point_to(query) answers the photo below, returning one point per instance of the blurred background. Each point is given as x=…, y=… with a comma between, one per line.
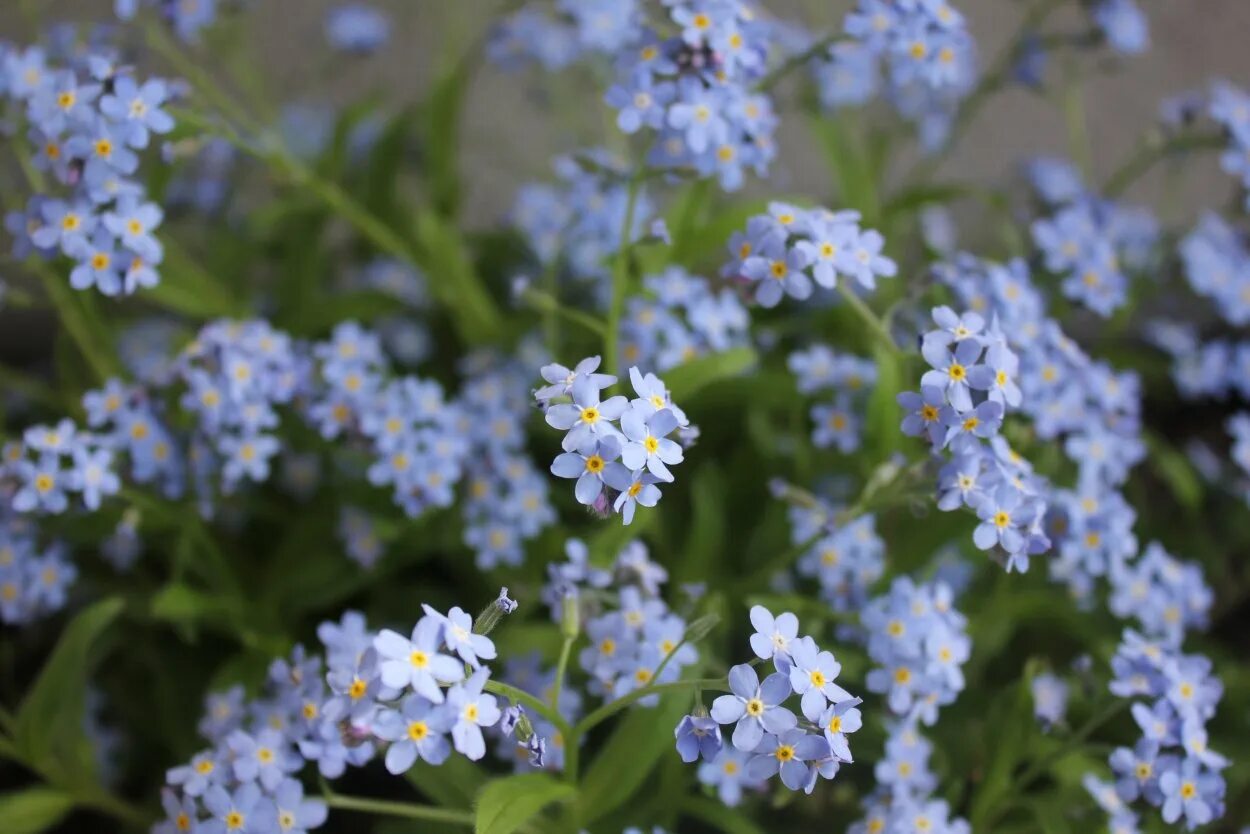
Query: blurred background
x=511, y=130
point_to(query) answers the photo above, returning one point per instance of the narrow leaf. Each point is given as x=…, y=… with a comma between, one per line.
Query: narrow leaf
x=506, y=804
x=33, y=810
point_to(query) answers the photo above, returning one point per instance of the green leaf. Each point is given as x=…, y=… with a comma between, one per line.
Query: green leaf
x=49, y=720
x=689, y=378
x=1175, y=470
x=719, y=816
x=33, y=810
x=705, y=543
x=452, y=784
x=454, y=280
x=441, y=116
x=883, y=414
x=630, y=754
x=506, y=804
x=188, y=288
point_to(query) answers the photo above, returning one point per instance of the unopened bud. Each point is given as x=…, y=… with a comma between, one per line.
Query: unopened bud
x=570, y=617
x=492, y=614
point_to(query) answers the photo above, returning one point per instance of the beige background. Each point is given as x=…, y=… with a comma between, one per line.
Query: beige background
x=509, y=133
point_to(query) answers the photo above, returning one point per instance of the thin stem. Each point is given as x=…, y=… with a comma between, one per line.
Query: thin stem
x=1073, y=106
x=620, y=278
x=991, y=82
x=1072, y=742
x=610, y=709
x=795, y=61
x=529, y=701
x=655, y=676
x=562, y=666
x=1151, y=153
x=875, y=324
x=408, y=810
x=546, y=303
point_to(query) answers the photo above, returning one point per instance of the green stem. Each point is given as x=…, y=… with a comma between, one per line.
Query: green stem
x=408, y=810
x=875, y=324
x=529, y=701
x=33, y=389
x=561, y=669
x=72, y=316
x=795, y=61
x=118, y=809
x=610, y=709
x=546, y=303
x=620, y=279
x=1077, y=129
x=994, y=79
x=1151, y=153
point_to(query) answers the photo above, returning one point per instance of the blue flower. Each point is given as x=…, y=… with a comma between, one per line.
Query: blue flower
x=293, y=813
x=950, y=370
x=647, y=442
x=924, y=409
x=698, y=736
x=358, y=28
x=588, y=465
x=755, y=707
x=812, y=676
x=418, y=728
x=458, y=635
x=839, y=720
x=471, y=710
x=788, y=753
x=773, y=635
x=417, y=662
x=265, y=757
x=635, y=488
x=137, y=109
x=1192, y=792
x=586, y=418
x=240, y=812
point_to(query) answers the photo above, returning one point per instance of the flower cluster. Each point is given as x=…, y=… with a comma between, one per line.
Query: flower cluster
x=916, y=639
x=208, y=419
x=357, y=28
x=694, y=89
x=404, y=698
x=768, y=739
x=844, y=559
x=578, y=222
x=1229, y=106
x=924, y=52
x=33, y=580
x=1091, y=242
x=88, y=121
x=507, y=502
x=1217, y=263
x=850, y=378
x=569, y=32
x=1094, y=408
x=186, y=19
x=1122, y=24
x=962, y=400
x=1181, y=696
x=593, y=441
x=51, y=463
x=784, y=250
x=682, y=319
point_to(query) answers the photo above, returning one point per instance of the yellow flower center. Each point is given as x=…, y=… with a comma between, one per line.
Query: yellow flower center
x=357, y=690
x=66, y=100
x=44, y=482
x=264, y=755
x=419, y=659
x=590, y=415
x=594, y=463
x=1188, y=790
x=418, y=730
x=651, y=444
x=103, y=147
x=957, y=372
x=817, y=678
x=902, y=675
x=755, y=707
x=234, y=821
x=784, y=752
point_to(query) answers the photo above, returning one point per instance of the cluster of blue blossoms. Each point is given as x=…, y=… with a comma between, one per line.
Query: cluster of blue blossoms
x=33, y=579
x=785, y=250
x=693, y=88
x=1093, y=409
x=1091, y=242
x=617, y=467
x=921, y=50
x=682, y=318
x=237, y=382
x=635, y=640
x=87, y=120
x=916, y=639
x=768, y=739
x=961, y=404
x=850, y=379
x=375, y=694
x=845, y=559
x=578, y=223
